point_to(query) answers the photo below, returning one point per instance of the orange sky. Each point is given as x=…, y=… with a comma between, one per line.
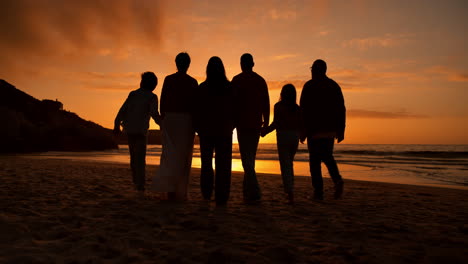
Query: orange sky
x=402, y=65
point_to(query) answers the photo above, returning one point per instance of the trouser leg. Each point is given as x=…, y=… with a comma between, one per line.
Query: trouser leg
x=137, y=147
x=314, y=148
x=287, y=143
x=207, y=175
x=223, y=161
x=141, y=163
x=248, y=143
x=329, y=160
x=131, y=149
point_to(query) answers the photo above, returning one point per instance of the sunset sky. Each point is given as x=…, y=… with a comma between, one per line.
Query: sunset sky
x=402, y=65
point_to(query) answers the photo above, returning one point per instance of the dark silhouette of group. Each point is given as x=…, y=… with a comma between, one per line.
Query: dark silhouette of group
x=213, y=110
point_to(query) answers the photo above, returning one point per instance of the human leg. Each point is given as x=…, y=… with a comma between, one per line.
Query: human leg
x=248, y=143
x=207, y=175
x=287, y=146
x=138, y=160
x=223, y=161
x=330, y=162
x=131, y=150
x=314, y=148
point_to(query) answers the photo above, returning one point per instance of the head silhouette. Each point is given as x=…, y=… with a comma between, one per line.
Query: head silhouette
x=148, y=81
x=246, y=62
x=319, y=69
x=215, y=70
x=288, y=94
x=182, y=61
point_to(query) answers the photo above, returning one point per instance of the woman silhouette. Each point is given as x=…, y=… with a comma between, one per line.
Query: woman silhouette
x=214, y=123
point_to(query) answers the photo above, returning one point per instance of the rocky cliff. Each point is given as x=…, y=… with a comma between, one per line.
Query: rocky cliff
x=28, y=124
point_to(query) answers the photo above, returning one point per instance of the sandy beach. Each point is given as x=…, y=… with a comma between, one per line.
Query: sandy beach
x=63, y=211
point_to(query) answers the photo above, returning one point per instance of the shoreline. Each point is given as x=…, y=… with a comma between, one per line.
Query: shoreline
x=62, y=211
x=349, y=171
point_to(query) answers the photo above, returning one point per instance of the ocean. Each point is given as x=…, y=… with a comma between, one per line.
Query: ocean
x=435, y=165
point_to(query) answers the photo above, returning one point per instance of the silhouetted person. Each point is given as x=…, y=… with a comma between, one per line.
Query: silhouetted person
x=287, y=122
x=134, y=116
x=177, y=131
x=324, y=112
x=214, y=123
x=253, y=112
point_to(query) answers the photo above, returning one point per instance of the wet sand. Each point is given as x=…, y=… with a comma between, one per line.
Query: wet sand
x=63, y=211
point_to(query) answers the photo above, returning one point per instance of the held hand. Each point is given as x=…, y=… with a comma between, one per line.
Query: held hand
x=340, y=138
x=264, y=131
x=116, y=130
x=302, y=137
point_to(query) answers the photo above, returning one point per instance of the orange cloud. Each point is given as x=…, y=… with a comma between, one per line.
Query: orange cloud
x=449, y=74
x=360, y=113
x=54, y=29
x=278, y=85
x=386, y=41
x=284, y=56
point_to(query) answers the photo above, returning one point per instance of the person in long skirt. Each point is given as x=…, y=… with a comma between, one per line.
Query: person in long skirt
x=287, y=122
x=177, y=131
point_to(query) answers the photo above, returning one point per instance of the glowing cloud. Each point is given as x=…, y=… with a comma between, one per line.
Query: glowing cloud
x=360, y=113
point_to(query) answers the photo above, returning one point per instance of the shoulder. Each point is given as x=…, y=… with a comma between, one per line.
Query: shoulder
x=237, y=77
x=334, y=83
x=308, y=83
x=134, y=92
x=193, y=80
x=170, y=77
x=329, y=80
x=258, y=76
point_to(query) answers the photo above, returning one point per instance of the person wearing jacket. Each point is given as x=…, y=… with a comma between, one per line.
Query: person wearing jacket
x=324, y=117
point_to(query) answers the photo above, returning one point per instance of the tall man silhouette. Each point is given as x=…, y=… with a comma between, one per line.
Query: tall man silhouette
x=324, y=114
x=253, y=114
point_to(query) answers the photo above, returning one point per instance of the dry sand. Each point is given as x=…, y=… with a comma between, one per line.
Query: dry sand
x=62, y=211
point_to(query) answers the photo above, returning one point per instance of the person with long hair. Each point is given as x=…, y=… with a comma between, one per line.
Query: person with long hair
x=214, y=123
x=287, y=122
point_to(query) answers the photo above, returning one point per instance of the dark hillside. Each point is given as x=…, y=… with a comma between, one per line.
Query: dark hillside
x=29, y=124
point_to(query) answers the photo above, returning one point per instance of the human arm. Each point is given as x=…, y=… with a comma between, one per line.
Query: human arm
x=154, y=113
x=302, y=107
x=268, y=129
x=120, y=116
x=341, y=115
x=164, y=94
x=265, y=104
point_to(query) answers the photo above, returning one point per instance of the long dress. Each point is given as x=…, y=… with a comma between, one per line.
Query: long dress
x=176, y=158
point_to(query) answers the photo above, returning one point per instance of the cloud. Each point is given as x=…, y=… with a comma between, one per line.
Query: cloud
x=449, y=74
x=276, y=14
x=278, y=85
x=362, y=79
x=386, y=41
x=32, y=29
x=107, y=81
x=283, y=56
x=112, y=86
x=360, y=113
